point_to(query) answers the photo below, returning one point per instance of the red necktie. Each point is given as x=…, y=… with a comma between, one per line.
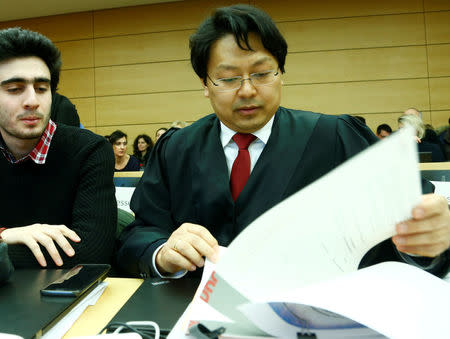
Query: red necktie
x=241, y=166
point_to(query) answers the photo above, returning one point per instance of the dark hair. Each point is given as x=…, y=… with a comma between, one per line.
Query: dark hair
x=17, y=42
x=161, y=129
x=116, y=135
x=238, y=20
x=147, y=139
x=360, y=118
x=384, y=127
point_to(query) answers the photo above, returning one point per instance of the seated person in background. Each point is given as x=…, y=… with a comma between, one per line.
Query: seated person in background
x=429, y=134
x=178, y=124
x=383, y=131
x=206, y=182
x=423, y=146
x=58, y=206
x=64, y=111
x=124, y=161
x=142, y=146
x=160, y=132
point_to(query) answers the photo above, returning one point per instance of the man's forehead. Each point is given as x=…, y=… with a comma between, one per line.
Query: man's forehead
x=28, y=68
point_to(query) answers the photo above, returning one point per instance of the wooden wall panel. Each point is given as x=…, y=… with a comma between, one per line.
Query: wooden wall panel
x=151, y=108
x=439, y=93
x=58, y=27
x=77, y=83
x=440, y=118
x=358, y=97
x=77, y=54
x=86, y=111
x=438, y=27
x=291, y=10
x=439, y=60
x=351, y=65
x=361, y=32
x=154, y=18
x=145, y=78
x=153, y=47
x=436, y=5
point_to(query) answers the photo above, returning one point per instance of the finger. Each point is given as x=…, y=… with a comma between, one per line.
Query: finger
x=203, y=233
x=431, y=205
x=188, y=251
x=172, y=261
x=49, y=245
x=60, y=239
x=67, y=232
x=36, y=250
x=430, y=251
x=426, y=238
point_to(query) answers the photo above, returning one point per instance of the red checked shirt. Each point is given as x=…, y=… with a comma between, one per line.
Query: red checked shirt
x=39, y=153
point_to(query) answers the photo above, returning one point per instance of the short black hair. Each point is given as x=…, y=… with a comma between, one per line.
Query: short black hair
x=384, y=127
x=146, y=138
x=116, y=135
x=238, y=20
x=18, y=43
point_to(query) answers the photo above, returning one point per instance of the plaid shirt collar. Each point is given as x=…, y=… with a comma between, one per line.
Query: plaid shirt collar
x=39, y=153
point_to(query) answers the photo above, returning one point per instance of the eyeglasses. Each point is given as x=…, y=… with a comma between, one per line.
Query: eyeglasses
x=257, y=79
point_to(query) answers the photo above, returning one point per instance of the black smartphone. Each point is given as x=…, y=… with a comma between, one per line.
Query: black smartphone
x=77, y=281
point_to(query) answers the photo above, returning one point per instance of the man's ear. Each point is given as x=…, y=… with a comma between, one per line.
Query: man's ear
x=205, y=88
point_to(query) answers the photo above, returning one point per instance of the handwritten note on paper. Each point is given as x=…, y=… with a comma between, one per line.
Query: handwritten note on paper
x=325, y=229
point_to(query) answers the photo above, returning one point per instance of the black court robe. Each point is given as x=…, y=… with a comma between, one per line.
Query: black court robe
x=187, y=180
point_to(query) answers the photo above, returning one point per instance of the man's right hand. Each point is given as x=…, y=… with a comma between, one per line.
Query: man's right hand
x=42, y=234
x=186, y=248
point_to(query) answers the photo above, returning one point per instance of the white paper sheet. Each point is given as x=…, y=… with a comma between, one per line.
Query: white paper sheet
x=325, y=229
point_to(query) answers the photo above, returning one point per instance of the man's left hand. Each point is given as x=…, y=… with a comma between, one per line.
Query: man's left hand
x=428, y=232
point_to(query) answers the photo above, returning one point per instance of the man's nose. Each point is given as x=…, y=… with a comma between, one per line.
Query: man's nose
x=31, y=101
x=247, y=88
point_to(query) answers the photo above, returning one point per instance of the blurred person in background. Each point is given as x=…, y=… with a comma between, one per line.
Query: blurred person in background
x=124, y=161
x=142, y=146
x=160, y=132
x=383, y=131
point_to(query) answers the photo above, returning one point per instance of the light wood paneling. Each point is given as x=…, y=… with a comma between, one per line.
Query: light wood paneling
x=351, y=65
x=77, y=54
x=77, y=83
x=151, y=108
x=361, y=32
x=92, y=129
x=290, y=10
x=438, y=27
x=142, y=48
x=145, y=78
x=440, y=93
x=58, y=27
x=86, y=110
x=358, y=97
x=439, y=60
x=440, y=118
x=436, y=5
x=154, y=18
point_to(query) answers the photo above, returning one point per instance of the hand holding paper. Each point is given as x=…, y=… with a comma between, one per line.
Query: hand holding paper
x=427, y=233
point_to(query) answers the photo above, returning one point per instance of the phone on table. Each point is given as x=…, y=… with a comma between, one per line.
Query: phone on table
x=77, y=281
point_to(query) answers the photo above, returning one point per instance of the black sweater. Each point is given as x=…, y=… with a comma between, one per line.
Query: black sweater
x=74, y=188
